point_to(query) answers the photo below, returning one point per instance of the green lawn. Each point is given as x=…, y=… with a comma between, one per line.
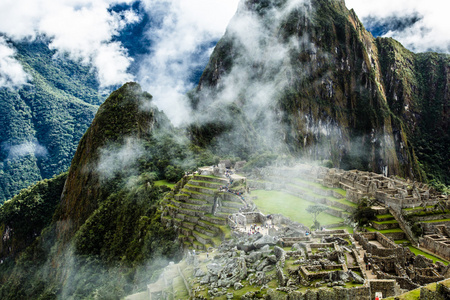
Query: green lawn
x=415, y=294
x=384, y=216
x=331, y=198
x=402, y=241
x=348, y=228
x=434, y=258
x=384, y=231
x=275, y=202
x=385, y=222
x=435, y=221
x=417, y=208
x=164, y=182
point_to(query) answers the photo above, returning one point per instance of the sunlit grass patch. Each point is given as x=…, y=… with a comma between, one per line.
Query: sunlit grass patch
x=164, y=182
x=275, y=202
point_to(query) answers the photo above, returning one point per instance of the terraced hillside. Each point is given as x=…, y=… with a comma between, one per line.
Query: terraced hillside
x=386, y=224
x=170, y=285
x=427, y=217
x=199, y=211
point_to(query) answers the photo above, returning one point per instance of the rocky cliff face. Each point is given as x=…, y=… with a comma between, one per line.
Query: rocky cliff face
x=332, y=91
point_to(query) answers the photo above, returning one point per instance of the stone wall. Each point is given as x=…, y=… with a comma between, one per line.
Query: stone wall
x=442, y=292
x=439, y=245
x=336, y=293
x=388, y=288
x=405, y=282
x=388, y=190
x=391, y=249
x=253, y=218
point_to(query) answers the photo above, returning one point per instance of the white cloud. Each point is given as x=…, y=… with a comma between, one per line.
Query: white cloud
x=119, y=159
x=186, y=26
x=11, y=71
x=82, y=28
x=24, y=149
x=258, y=77
x=430, y=33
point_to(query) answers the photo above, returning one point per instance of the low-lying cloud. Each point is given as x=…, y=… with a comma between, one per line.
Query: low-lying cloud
x=24, y=149
x=119, y=159
x=12, y=73
x=258, y=78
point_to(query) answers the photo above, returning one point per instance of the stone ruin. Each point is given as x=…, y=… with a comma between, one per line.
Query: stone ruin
x=289, y=258
x=439, y=242
x=318, y=268
x=391, y=261
x=390, y=191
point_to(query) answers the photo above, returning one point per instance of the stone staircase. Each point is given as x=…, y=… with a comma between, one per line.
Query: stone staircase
x=199, y=211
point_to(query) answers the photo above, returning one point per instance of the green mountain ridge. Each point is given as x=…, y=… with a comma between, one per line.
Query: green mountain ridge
x=97, y=231
x=43, y=120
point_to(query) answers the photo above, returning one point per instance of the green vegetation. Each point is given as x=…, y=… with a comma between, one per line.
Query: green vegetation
x=315, y=211
x=386, y=222
x=363, y=213
x=417, y=251
x=274, y=202
x=164, y=182
x=411, y=295
x=43, y=122
x=348, y=228
x=385, y=230
x=28, y=213
x=107, y=231
x=436, y=221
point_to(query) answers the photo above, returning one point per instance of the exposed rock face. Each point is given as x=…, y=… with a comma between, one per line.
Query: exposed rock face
x=333, y=92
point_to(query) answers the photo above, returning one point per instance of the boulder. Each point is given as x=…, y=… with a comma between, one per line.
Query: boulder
x=247, y=247
x=253, y=256
x=356, y=278
x=238, y=286
x=343, y=276
x=199, y=272
x=205, y=280
x=265, y=240
x=279, y=252
x=214, y=269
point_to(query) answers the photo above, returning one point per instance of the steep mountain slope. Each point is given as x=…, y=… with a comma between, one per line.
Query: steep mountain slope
x=307, y=75
x=43, y=121
x=101, y=222
x=417, y=88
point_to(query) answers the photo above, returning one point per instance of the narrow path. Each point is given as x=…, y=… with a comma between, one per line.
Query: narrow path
x=360, y=250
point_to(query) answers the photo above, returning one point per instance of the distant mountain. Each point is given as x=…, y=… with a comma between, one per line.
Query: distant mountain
x=312, y=82
x=43, y=121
